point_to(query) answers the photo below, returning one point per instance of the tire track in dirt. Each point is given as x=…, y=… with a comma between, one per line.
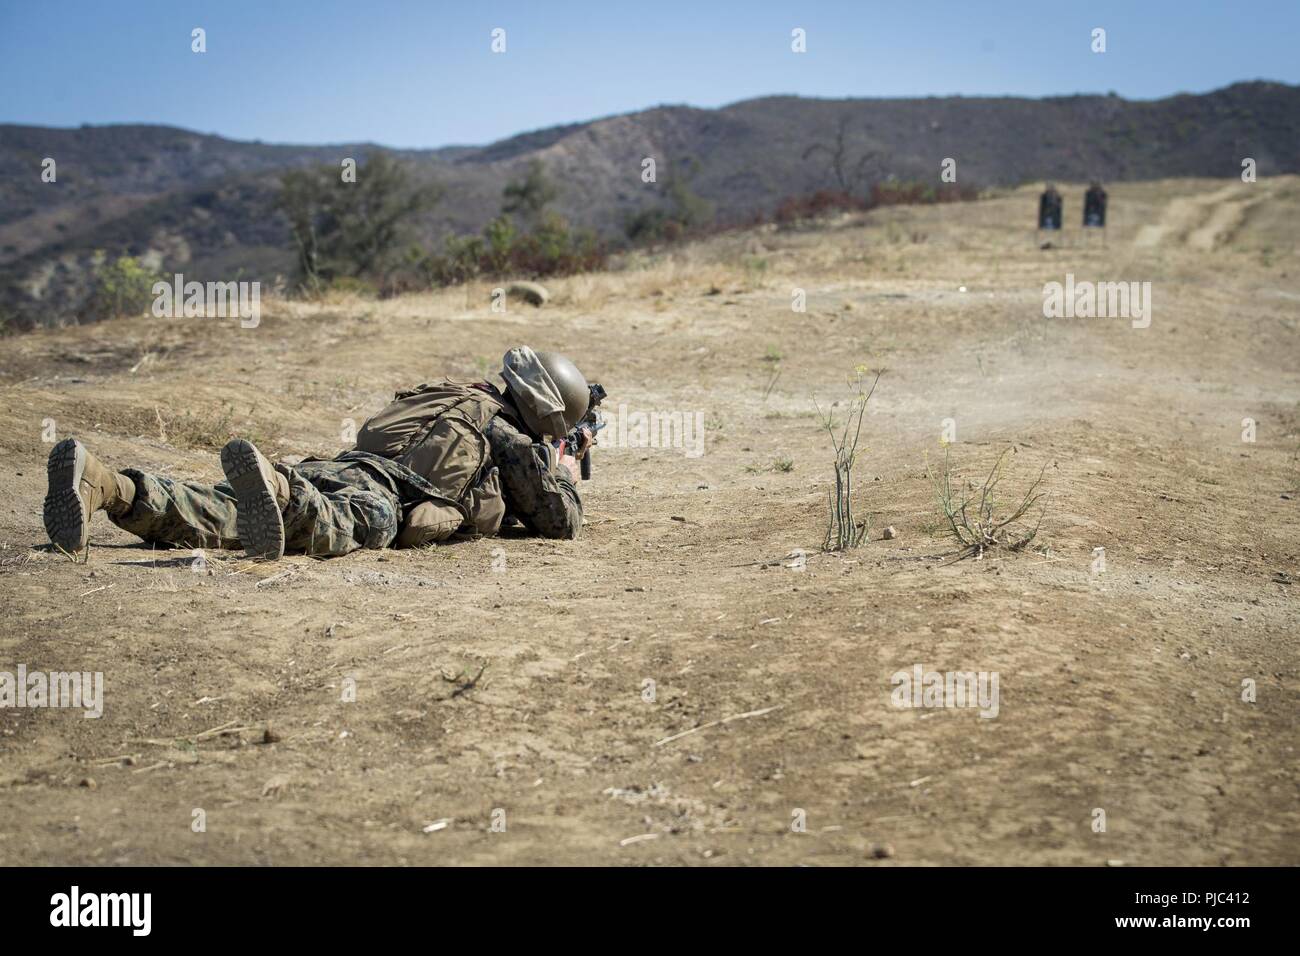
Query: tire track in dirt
x=1206, y=221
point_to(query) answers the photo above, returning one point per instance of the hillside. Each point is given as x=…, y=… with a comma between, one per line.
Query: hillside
x=202, y=204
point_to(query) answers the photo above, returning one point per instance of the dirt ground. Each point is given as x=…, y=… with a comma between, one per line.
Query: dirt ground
x=502, y=711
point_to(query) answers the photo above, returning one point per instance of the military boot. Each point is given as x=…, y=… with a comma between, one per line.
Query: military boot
x=79, y=485
x=261, y=495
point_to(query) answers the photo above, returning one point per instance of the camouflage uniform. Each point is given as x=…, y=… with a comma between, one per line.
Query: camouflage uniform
x=356, y=500
x=542, y=499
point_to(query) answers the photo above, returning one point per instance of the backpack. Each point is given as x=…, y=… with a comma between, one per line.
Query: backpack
x=438, y=430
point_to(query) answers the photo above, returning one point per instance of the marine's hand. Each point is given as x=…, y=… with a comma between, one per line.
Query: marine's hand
x=571, y=463
x=585, y=441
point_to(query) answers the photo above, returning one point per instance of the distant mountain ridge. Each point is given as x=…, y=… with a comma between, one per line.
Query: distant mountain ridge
x=203, y=204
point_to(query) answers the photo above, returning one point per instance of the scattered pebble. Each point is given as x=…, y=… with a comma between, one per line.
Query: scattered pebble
x=880, y=851
x=890, y=533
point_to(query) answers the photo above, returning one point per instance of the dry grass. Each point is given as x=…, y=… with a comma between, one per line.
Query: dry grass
x=207, y=428
x=986, y=525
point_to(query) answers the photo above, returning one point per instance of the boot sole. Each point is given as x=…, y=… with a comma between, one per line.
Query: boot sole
x=66, y=521
x=257, y=519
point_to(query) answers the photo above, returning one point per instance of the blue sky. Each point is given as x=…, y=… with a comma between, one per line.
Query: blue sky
x=421, y=73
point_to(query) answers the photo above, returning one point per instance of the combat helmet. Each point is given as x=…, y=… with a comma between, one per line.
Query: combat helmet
x=547, y=388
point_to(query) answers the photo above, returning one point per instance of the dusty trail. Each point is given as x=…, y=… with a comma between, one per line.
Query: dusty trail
x=1120, y=691
x=1207, y=220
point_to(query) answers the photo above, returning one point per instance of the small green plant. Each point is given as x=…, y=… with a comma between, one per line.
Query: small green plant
x=122, y=287
x=977, y=522
x=843, y=530
x=778, y=464
x=780, y=415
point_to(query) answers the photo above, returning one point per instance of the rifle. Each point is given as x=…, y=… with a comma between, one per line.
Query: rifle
x=590, y=422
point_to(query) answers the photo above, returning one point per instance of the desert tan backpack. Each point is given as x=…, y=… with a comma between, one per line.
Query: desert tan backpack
x=438, y=431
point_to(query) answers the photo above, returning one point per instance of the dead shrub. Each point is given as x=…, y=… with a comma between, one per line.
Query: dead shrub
x=976, y=519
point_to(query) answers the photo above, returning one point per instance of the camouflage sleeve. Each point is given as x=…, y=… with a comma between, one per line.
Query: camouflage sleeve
x=545, y=501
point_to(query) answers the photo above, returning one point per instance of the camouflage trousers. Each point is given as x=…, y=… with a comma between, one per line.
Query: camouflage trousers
x=334, y=507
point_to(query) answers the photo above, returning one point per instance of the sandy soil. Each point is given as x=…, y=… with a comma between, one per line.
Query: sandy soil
x=1120, y=690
